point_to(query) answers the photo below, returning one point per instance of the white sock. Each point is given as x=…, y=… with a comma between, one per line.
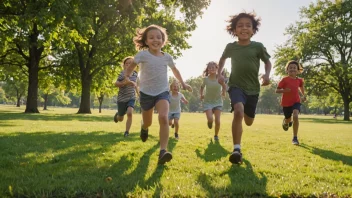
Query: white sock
x=237, y=146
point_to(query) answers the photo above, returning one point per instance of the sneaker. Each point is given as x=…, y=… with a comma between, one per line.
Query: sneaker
x=164, y=157
x=115, y=117
x=236, y=157
x=216, y=138
x=172, y=126
x=210, y=125
x=176, y=136
x=126, y=134
x=290, y=124
x=284, y=125
x=144, y=134
x=295, y=141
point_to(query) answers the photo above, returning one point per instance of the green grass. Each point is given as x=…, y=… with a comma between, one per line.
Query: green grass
x=58, y=153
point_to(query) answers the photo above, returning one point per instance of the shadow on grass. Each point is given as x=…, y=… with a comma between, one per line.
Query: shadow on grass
x=213, y=152
x=325, y=120
x=54, y=117
x=328, y=154
x=50, y=164
x=244, y=182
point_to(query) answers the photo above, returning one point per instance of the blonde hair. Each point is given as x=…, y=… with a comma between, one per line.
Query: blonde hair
x=173, y=82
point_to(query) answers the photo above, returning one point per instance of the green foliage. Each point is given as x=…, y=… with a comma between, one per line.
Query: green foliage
x=321, y=40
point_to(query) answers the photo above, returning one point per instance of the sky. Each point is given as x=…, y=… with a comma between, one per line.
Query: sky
x=208, y=41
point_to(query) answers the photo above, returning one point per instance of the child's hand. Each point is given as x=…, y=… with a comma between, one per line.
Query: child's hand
x=223, y=94
x=265, y=80
x=221, y=79
x=201, y=97
x=303, y=98
x=286, y=90
x=187, y=87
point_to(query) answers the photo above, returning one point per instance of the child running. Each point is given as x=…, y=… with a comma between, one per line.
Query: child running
x=290, y=86
x=126, y=97
x=176, y=98
x=243, y=84
x=154, y=86
x=213, y=102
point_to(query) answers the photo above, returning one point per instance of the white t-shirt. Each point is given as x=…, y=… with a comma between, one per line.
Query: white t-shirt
x=153, y=72
x=175, y=103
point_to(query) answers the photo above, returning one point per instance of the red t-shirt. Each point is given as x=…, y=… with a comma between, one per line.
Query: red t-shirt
x=292, y=97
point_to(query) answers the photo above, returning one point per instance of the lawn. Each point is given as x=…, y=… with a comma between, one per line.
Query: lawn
x=59, y=153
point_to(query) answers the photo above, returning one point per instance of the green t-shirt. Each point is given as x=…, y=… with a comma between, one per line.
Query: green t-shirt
x=245, y=62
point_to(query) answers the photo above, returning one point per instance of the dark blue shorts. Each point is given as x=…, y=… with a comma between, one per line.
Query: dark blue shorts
x=289, y=110
x=147, y=102
x=249, y=101
x=122, y=106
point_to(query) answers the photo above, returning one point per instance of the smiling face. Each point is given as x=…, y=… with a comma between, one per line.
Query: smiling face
x=244, y=29
x=154, y=40
x=212, y=69
x=174, y=87
x=127, y=63
x=292, y=70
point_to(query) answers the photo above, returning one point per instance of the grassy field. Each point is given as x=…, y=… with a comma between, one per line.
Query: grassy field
x=58, y=153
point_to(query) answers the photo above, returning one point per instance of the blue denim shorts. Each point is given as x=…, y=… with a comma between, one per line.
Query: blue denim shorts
x=122, y=106
x=174, y=116
x=289, y=110
x=249, y=101
x=147, y=102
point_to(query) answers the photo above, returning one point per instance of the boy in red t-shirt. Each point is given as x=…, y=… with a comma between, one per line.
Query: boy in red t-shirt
x=290, y=86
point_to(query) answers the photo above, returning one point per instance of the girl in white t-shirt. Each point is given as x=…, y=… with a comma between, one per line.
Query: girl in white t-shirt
x=175, y=106
x=154, y=85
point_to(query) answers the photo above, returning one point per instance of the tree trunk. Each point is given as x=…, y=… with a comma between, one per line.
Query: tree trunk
x=33, y=68
x=18, y=102
x=100, y=99
x=346, y=107
x=84, y=106
x=45, y=101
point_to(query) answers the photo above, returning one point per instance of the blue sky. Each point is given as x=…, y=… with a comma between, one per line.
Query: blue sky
x=210, y=38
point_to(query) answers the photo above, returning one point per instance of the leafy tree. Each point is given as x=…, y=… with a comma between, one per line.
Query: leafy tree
x=27, y=30
x=101, y=35
x=269, y=101
x=322, y=41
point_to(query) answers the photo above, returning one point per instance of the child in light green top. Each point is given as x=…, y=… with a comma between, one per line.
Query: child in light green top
x=212, y=100
x=244, y=84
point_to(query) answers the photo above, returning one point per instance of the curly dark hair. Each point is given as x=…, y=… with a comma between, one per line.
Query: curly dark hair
x=141, y=37
x=299, y=66
x=234, y=20
x=206, y=72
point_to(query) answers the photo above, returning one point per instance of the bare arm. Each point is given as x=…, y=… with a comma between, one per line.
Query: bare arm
x=265, y=77
x=201, y=92
x=301, y=89
x=184, y=100
x=221, y=79
x=281, y=90
x=179, y=78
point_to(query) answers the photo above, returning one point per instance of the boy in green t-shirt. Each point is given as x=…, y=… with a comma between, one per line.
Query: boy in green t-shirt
x=243, y=84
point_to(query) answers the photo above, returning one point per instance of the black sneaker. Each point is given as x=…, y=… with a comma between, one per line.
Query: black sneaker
x=284, y=125
x=164, y=157
x=176, y=136
x=290, y=124
x=210, y=125
x=236, y=157
x=115, y=117
x=295, y=141
x=172, y=126
x=126, y=134
x=144, y=134
x=216, y=138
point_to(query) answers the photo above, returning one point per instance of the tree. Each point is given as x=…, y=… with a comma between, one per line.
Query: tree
x=322, y=40
x=27, y=30
x=101, y=34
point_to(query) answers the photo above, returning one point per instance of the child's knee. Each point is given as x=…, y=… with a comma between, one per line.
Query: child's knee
x=238, y=112
x=163, y=119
